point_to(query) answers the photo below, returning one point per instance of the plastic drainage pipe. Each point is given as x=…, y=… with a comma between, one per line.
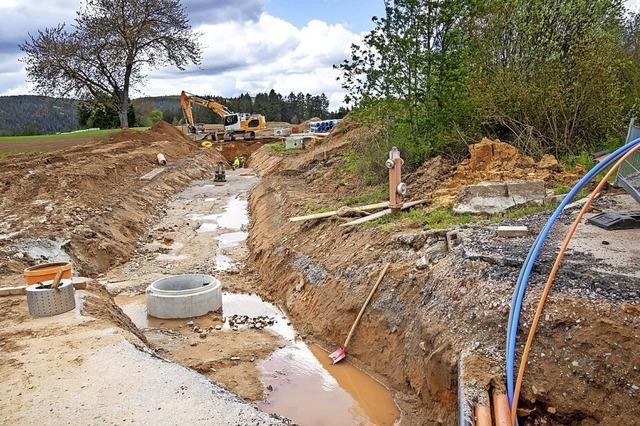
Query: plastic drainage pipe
x=525, y=272
x=462, y=400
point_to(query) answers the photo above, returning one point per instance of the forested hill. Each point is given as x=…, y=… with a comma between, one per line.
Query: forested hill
x=28, y=115
x=37, y=114
x=292, y=108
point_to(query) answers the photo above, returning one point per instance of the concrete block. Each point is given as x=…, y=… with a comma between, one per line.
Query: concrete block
x=453, y=239
x=285, y=131
x=531, y=191
x=153, y=173
x=298, y=141
x=513, y=231
x=497, y=197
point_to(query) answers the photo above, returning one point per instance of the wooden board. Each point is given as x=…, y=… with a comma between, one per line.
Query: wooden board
x=381, y=214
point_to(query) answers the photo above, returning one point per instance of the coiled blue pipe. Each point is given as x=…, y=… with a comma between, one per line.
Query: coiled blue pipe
x=525, y=272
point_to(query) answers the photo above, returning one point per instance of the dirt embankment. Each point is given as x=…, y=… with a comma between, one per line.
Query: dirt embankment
x=265, y=161
x=457, y=303
x=89, y=202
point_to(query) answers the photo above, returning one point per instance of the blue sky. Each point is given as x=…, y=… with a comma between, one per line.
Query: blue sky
x=249, y=45
x=354, y=14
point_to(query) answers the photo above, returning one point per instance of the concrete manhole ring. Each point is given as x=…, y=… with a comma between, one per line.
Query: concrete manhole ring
x=44, y=301
x=184, y=296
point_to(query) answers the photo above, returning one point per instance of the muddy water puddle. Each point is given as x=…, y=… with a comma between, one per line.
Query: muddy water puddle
x=233, y=218
x=303, y=384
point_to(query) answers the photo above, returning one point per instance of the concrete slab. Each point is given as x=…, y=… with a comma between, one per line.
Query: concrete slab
x=497, y=197
x=152, y=174
x=513, y=231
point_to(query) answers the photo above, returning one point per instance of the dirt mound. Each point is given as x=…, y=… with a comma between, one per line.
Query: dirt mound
x=496, y=161
x=89, y=201
x=426, y=179
x=231, y=150
x=348, y=132
x=424, y=316
x=166, y=129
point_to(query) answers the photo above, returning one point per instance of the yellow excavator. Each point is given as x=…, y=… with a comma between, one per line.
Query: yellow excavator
x=236, y=125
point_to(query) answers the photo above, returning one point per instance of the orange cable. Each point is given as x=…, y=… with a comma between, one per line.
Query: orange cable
x=552, y=275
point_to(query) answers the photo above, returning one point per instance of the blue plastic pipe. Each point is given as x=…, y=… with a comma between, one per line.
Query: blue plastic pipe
x=525, y=272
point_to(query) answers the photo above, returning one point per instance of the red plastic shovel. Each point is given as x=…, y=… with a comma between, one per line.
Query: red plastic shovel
x=341, y=353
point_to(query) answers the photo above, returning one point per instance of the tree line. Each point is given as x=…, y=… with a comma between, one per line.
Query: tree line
x=111, y=46
x=32, y=115
x=551, y=76
x=292, y=108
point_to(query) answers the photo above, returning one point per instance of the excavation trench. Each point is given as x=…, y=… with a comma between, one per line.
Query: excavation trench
x=274, y=366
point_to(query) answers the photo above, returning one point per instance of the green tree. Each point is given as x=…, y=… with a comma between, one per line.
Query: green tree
x=110, y=47
x=412, y=74
x=275, y=106
x=552, y=73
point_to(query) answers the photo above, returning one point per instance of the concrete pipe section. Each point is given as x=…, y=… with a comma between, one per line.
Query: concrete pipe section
x=184, y=296
x=44, y=301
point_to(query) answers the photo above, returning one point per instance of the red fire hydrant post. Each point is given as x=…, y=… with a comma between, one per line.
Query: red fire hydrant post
x=396, y=187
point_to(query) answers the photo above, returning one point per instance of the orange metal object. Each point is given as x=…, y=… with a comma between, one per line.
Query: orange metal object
x=501, y=412
x=483, y=415
x=394, y=164
x=47, y=271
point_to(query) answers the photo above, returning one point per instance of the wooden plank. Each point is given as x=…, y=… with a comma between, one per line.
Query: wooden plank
x=335, y=212
x=13, y=291
x=153, y=173
x=381, y=214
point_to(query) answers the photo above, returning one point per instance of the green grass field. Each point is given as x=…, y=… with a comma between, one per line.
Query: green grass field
x=52, y=137
x=11, y=146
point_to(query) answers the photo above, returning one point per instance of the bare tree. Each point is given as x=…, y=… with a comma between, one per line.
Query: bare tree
x=111, y=46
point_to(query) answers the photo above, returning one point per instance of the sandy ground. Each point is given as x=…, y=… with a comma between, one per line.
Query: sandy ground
x=81, y=368
x=122, y=232
x=189, y=239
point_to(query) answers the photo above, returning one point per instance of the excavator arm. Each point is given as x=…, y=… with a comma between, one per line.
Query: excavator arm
x=186, y=99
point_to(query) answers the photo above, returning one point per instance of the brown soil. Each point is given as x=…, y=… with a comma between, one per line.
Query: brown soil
x=582, y=370
x=46, y=145
x=175, y=247
x=229, y=360
x=496, y=161
x=421, y=319
x=429, y=177
x=227, y=357
x=346, y=133
x=231, y=150
x=88, y=366
x=92, y=197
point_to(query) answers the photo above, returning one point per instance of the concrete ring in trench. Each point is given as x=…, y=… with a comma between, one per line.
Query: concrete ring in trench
x=184, y=296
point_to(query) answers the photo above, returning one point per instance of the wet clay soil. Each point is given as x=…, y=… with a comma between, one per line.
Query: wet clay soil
x=204, y=230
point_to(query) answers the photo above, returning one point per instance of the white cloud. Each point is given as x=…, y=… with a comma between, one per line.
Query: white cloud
x=258, y=56
x=633, y=5
x=244, y=53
